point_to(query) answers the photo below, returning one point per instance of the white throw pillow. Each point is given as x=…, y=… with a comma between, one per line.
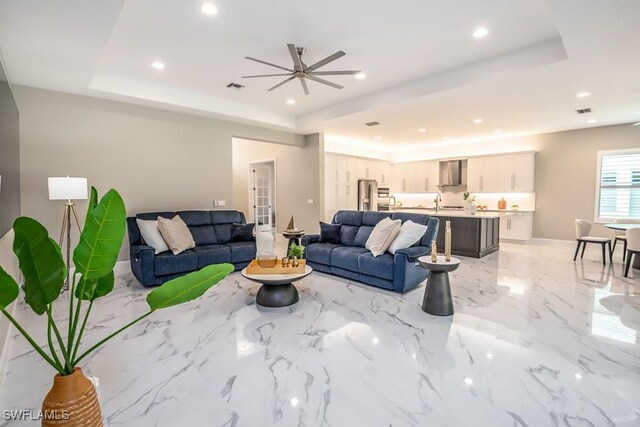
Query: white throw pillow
x=410, y=233
x=382, y=235
x=176, y=233
x=151, y=235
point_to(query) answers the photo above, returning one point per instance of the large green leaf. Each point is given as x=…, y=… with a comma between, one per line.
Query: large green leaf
x=92, y=289
x=101, y=239
x=93, y=202
x=9, y=289
x=40, y=261
x=187, y=288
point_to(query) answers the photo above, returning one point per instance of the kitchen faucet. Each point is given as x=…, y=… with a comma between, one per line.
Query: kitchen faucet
x=438, y=199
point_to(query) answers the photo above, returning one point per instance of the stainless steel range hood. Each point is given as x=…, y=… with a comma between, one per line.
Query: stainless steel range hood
x=453, y=173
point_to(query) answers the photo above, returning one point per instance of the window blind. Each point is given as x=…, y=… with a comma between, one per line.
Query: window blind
x=620, y=186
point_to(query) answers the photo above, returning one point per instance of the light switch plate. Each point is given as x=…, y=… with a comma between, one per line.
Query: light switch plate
x=222, y=203
x=310, y=201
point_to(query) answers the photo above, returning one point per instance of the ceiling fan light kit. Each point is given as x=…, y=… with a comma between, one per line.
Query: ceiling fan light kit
x=302, y=71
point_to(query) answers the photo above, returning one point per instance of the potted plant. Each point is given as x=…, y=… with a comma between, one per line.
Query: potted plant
x=469, y=206
x=296, y=252
x=72, y=399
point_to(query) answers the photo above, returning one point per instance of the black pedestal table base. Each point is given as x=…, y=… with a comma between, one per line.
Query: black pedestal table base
x=437, y=298
x=283, y=295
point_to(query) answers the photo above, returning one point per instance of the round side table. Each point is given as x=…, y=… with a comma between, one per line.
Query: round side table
x=437, y=296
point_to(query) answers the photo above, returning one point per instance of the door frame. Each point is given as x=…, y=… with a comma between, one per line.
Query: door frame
x=274, y=197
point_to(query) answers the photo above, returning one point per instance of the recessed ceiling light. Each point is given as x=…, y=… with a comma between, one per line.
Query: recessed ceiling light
x=291, y=101
x=209, y=8
x=377, y=137
x=476, y=121
x=480, y=32
x=422, y=130
x=158, y=65
x=591, y=121
x=583, y=94
x=360, y=76
x=498, y=131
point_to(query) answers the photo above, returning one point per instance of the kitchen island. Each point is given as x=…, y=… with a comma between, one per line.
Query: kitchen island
x=472, y=235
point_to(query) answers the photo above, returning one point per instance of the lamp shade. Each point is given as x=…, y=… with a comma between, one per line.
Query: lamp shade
x=67, y=188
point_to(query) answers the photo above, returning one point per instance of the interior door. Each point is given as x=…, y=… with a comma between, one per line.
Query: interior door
x=262, y=196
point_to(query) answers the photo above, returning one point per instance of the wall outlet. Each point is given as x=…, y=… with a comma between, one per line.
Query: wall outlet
x=310, y=201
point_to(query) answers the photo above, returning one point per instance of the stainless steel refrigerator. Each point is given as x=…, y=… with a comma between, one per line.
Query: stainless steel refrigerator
x=367, y=195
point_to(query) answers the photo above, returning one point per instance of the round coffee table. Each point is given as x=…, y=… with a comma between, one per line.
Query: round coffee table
x=437, y=297
x=277, y=290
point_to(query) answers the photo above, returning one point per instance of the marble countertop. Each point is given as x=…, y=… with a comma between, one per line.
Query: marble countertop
x=451, y=213
x=460, y=212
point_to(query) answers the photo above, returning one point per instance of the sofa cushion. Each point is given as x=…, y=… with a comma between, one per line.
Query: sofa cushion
x=410, y=234
x=329, y=233
x=242, y=251
x=372, y=218
x=362, y=236
x=348, y=218
x=227, y=217
x=212, y=254
x=348, y=235
x=195, y=217
x=203, y=234
x=380, y=266
x=383, y=235
x=223, y=232
x=320, y=252
x=176, y=233
x=242, y=232
x=346, y=257
x=151, y=235
x=168, y=263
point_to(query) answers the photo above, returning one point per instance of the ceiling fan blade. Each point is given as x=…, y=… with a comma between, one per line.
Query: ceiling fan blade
x=268, y=63
x=266, y=75
x=326, y=60
x=335, y=73
x=281, y=83
x=323, y=81
x=304, y=86
x=294, y=55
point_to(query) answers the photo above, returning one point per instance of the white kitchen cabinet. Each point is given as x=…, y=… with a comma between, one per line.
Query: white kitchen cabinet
x=365, y=169
x=397, y=182
x=516, y=172
x=381, y=173
x=415, y=177
x=430, y=176
x=516, y=226
x=331, y=168
x=482, y=175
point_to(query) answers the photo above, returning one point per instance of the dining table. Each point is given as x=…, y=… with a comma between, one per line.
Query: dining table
x=624, y=227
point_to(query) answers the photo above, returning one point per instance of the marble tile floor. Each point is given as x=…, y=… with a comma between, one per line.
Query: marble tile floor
x=536, y=340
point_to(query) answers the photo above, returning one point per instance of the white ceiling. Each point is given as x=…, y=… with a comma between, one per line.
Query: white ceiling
x=424, y=69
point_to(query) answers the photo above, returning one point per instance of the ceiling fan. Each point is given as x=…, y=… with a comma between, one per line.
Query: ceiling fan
x=303, y=71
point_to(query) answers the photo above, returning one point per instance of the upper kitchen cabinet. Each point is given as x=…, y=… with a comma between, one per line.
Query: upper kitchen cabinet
x=415, y=177
x=504, y=173
x=365, y=169
x=382, y=173
x=482, y=174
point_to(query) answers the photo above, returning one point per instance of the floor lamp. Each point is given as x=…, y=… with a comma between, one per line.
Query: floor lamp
x=68, y=189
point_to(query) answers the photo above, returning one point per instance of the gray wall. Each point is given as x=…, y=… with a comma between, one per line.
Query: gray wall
x=565, y=184
x=9, y=156
x=297, y=179
x=157, y=159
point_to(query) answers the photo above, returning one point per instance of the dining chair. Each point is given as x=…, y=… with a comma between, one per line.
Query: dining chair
x=621, y=235
x=583, y=227
x=633, y=247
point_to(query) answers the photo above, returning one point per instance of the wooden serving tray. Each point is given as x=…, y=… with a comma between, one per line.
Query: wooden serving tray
x=254, y=268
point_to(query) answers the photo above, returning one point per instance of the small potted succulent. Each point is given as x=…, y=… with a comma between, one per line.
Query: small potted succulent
x=296, y=252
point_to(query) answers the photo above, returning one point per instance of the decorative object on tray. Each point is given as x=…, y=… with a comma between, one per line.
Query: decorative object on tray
x=292, y=225
x=502, y=204
x=434, y=252
x=72, y=400
x=267, y=261
x=255, y=268
x=469, y=205
x=296, y=252
x=293, y=233
x=447, y=241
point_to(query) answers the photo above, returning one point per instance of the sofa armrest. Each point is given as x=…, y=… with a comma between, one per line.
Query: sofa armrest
x=309, y=239
x=414, y=253
x=142, y=263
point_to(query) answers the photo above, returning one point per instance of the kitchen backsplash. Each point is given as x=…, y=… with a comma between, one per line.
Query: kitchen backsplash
x=525, y=201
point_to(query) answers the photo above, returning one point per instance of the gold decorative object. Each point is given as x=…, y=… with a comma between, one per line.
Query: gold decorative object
x=434, y=251
x=292, y=225
x=267, y=261
x=447, y=241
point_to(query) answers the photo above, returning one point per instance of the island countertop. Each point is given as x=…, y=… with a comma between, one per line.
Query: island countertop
x=452, y=213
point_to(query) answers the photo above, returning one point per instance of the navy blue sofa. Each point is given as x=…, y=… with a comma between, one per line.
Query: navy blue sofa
x=350, y=258
x=211, y=232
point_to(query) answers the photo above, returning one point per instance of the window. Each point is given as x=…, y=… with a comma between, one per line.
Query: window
x=618, y=186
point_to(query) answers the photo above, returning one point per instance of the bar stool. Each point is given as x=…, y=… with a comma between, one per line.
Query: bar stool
x=583, y=227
